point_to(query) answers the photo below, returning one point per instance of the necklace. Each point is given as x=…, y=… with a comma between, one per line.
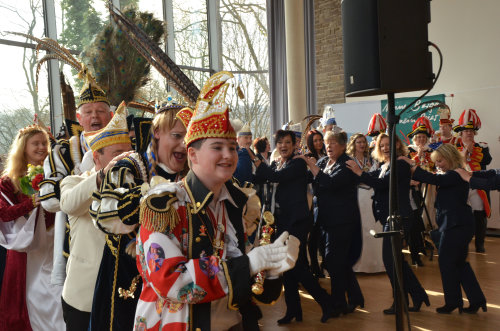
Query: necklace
x=364, y=164
x=218, y=223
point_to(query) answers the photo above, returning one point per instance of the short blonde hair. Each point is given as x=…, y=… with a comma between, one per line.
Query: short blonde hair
x=451, y=154
x=377, y=154
x=16, y=163
x=351, y=146
x=339, y=137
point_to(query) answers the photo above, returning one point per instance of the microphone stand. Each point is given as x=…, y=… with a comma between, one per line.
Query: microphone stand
x=394, y=219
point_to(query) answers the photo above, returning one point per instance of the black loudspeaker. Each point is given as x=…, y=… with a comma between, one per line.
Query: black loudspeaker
x=386, y=46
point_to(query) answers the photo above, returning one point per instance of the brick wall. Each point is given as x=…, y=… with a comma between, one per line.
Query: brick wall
x=329, y=56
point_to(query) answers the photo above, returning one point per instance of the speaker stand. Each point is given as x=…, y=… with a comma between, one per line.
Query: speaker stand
x=400, y=304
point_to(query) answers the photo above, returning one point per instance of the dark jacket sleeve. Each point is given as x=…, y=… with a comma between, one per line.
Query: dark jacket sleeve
x=486, y=157
x=296, y=168
x=244, y=167
x=450, y=178
x=372, y=179
x=485, y=180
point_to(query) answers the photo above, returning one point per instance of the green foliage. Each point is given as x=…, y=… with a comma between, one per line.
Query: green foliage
x=117, y=66
x=81, y=23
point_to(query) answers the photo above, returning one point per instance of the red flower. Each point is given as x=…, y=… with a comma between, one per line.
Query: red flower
x=34, y=183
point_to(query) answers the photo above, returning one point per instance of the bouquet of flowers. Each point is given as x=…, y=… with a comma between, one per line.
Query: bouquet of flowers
x=29, y=183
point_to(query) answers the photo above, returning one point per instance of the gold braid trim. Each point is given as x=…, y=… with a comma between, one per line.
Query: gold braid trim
x=159, y=219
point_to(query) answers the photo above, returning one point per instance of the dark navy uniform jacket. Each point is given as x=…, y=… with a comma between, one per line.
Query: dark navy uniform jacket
x=381, y=190
x=451, y=200
x=485, y=180
x=337, y=193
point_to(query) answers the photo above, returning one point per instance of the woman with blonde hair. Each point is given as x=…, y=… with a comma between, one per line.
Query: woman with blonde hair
x=161, y=152
x=379, y=180
x=456, y=224
x=29, y=240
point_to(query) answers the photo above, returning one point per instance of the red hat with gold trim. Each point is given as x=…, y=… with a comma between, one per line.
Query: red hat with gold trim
x=211, y=114
x=468, y=120
x=377, y=125
x=185, y=115
x=421, y=125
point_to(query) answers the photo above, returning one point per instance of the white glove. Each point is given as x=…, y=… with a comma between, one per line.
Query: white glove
x=292, y=245
x=268, y=256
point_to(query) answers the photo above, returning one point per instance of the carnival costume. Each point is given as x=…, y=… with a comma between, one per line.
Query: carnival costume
x=29, y=301
x=476, y=160
x=87, y=242
x=115, y=210
x=190, y=249
x=445, y=119
x=420, y=195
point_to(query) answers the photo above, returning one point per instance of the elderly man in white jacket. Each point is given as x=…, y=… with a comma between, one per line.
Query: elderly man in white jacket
x=108, y=145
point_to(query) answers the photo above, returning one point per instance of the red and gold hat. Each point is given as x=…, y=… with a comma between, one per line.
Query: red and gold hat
x=184, y=115
x=377, y=125
x=421, y=125
x=211, y=114
x=468, y=120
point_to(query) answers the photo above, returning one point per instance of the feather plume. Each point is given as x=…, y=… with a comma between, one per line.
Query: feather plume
x=119, y=69
x=155, y=56
x=56, y=53
x=310, y=120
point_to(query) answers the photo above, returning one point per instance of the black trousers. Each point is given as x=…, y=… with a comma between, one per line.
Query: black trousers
x=301, y=274
x=76, y=320
x=337, y=253
x=411, y=285
x=455, y=270
x=480, y=229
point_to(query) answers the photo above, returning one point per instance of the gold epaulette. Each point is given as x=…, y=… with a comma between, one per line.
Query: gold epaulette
x=157, y=213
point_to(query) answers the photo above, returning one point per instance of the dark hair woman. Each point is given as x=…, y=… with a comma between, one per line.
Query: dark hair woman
x=338, y=214
x=262, y=148
x=315, y=144
x=379, y=180
x=456, y=224
x=292, y=213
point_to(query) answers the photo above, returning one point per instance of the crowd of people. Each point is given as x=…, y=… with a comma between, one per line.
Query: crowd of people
x=156, y=232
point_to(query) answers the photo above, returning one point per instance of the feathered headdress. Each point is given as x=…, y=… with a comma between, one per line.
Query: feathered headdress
x=421, y=125
x=91, y=91
x=155, y=56
x=468, y=120
x=118, y=68
x=377, y=125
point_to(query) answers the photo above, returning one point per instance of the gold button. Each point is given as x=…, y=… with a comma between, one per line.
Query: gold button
x=203, y=211
x=192, y=210
x=198, y=239
x=198, y=204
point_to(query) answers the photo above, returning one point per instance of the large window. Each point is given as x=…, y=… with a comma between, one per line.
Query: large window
x=202, y=37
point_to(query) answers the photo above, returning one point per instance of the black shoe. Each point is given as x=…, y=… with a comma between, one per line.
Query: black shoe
x=289, y=317
x=473, y=308
x=418, y=304
x=448, y=309
x=328, y=312
x=417, y=261
x=390, y=311
x=480, y=249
